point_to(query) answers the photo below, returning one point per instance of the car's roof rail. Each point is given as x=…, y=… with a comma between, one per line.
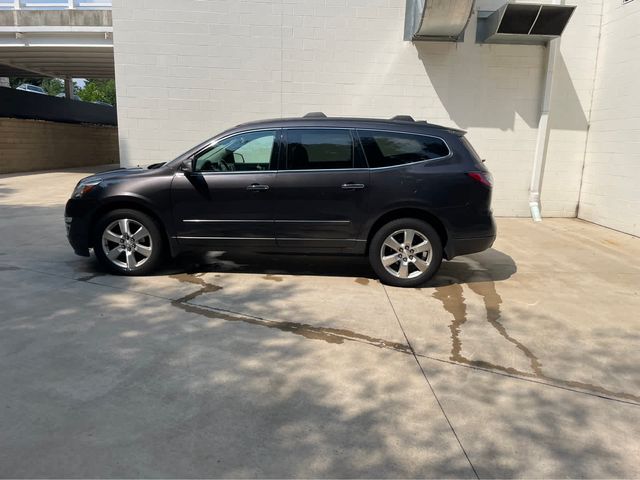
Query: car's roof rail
x=403, y=118
x=315, y=115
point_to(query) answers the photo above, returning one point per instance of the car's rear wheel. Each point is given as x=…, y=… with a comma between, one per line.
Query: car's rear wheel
x=405, y=252
x=128, y=242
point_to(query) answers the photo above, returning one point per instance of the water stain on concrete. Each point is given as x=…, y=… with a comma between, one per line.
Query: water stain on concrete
x=8, y=268
x=453, y=301
x=195, y=280
x=362, y=281
x=88, y=278
x=274, y=278
x=450, y=294
x=492, y=302
x=85, y=267
x=326, y=334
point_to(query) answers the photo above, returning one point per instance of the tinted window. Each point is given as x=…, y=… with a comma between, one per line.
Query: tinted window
x=309, y=149
x=239, y=153
x=385, y=149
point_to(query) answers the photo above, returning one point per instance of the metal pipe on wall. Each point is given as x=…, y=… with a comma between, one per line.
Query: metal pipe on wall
x=542, y=141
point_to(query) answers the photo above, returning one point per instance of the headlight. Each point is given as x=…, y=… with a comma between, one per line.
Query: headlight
x=85, y=187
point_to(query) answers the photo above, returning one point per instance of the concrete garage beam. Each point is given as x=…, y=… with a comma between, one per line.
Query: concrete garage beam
x=56, y=43
x=56, y=18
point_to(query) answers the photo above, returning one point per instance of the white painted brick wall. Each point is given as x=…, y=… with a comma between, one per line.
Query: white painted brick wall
x=611, y=183
x=571, y=100
x=186, y=69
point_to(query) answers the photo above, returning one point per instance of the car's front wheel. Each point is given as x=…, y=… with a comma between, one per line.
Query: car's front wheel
x=128, y=242
x=405, y=252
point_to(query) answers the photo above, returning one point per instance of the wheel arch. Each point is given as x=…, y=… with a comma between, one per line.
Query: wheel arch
x=132, y=203
x=410, y=212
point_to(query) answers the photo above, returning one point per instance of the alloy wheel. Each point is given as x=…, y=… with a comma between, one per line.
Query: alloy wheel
x=406, y=253
x=127, y=243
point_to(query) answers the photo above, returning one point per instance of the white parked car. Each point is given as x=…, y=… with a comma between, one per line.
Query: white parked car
x=27, y=87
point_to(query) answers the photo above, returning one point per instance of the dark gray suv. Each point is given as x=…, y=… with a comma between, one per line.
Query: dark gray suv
x=406, y=193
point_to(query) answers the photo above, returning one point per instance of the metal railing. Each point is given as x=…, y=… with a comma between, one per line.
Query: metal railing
x=55, y=4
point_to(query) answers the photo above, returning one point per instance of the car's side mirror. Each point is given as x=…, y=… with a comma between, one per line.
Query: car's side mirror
x=187, y=166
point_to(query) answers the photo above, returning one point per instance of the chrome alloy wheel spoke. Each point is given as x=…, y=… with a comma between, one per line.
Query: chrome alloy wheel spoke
x=406, y=253
x=127, y=243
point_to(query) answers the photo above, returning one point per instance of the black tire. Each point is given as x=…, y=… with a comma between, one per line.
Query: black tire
x=154, y=241
x=417, y=277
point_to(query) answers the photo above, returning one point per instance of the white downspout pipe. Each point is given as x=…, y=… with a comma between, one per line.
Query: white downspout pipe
x=540, y=154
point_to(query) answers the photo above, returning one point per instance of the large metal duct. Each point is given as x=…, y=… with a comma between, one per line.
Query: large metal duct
x=437, y=20
x=523, y=23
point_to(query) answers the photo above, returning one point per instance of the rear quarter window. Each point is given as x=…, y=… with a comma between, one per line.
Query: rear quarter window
x=386, y=149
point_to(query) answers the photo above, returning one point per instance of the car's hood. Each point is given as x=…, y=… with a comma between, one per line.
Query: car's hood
x=115, y=174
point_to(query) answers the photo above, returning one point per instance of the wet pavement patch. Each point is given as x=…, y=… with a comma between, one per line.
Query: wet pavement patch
x=327, y=334
x=453, y=300
x=274, y=278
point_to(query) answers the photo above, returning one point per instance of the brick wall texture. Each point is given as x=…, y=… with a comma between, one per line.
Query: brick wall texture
x=29, y=145
x=611, y=183
x=187, y=69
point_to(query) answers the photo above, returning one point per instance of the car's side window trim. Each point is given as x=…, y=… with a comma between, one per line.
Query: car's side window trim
x=277, y=142
x=282, y=144
x=358, y=130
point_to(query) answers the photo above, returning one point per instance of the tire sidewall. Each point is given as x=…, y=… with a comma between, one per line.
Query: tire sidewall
x=149, y=224
x=379, y=237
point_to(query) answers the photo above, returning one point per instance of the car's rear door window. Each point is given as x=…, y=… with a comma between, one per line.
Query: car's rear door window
x=315, y=149
x=387, y=149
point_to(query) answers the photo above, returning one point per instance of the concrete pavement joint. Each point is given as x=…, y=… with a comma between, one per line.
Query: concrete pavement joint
x=433, y=392
x=379, y=344
x=528, y=379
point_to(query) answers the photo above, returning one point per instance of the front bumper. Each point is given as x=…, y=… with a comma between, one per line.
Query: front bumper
x=77, y=222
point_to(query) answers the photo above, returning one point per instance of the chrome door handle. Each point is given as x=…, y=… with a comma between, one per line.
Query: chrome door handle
x=256, y=187
x=352, y=186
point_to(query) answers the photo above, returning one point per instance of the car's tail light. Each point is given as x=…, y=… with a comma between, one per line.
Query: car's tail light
x=484, y=178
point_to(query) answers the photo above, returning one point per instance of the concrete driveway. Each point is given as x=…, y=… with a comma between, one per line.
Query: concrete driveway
x=523, y=361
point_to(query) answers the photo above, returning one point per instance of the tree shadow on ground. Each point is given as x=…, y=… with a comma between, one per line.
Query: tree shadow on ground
x=5, y=191
x=102, y=380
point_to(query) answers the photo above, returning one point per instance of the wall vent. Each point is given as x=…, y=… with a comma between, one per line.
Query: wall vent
x=523, y=23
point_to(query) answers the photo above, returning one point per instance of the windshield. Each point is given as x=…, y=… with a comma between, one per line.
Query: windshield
x=189, y=152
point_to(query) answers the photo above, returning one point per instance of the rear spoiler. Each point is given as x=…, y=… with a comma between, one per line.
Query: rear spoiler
x=409, y=118
x=456, y=131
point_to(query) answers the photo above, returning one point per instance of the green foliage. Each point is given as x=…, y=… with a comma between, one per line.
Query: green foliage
x=53, y=86
x=102, y=90
x=99, y=90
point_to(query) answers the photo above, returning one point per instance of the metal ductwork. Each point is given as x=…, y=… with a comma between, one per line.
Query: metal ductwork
x=523, y=23
x=437, y=20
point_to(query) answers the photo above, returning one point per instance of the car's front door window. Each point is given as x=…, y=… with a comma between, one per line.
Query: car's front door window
x=245, y=152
